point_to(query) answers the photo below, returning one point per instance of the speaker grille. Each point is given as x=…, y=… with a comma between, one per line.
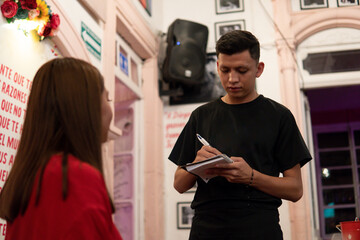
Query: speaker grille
x=186, y=53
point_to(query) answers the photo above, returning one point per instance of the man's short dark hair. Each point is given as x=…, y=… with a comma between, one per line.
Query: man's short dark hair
x=238, y=41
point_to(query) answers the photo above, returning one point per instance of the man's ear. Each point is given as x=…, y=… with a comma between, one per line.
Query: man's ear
x=260, y=69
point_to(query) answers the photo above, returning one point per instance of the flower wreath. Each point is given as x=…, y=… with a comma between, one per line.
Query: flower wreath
x=38, y=11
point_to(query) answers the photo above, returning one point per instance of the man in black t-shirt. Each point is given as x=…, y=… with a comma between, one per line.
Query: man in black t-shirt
x=261, y=137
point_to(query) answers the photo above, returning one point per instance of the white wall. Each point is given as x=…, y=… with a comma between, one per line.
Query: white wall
x=175, y=117
x=155, y=20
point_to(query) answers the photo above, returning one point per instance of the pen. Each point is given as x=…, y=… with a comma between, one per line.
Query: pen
x=202, y=140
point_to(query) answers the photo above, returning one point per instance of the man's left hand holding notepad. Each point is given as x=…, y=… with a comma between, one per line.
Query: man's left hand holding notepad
x=199, y=168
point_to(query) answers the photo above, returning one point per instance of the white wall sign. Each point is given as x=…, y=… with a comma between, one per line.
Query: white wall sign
x=175, y=118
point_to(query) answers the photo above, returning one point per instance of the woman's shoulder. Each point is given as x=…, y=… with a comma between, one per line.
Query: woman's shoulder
x=82, y=167
x=85, y=183
x=73, y=163
x=79, y=173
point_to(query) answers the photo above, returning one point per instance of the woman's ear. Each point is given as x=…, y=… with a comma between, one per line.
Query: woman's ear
x=260, y=69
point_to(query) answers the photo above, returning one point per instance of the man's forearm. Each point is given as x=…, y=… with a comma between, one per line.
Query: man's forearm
x=183, y=180
x=288, y=187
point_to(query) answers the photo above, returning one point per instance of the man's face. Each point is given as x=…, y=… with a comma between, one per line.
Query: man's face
x=238, y=73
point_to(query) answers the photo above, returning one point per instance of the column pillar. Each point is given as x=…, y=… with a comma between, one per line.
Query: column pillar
x=300, y=212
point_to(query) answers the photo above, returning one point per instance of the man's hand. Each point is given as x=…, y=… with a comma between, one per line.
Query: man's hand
x=288, y=187
x=206, y=152
x=237, y=172
x=183, y=180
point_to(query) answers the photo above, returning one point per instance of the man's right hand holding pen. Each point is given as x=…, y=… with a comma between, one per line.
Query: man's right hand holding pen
x=206, y=151
x=239, y=171
x=184, y=180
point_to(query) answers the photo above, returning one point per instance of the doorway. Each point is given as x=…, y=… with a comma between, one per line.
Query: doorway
x=335, y=120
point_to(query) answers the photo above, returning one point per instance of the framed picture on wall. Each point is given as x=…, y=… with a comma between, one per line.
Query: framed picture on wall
x=229, y=6
x=146, y=5
x=184, y=215
x=345, y=3
x=312, y=4
x=223, y=27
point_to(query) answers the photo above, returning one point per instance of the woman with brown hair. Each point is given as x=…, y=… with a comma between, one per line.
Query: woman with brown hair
x=56, y=188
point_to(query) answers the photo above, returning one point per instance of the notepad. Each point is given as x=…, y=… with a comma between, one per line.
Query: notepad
x=199, y=168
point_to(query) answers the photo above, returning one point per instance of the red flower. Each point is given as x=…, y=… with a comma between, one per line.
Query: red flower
x=46, y=30
x=54, y=21
x=9, y=9
x=28, y=4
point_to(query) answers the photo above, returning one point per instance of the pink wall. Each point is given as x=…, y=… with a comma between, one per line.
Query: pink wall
x=124, y=19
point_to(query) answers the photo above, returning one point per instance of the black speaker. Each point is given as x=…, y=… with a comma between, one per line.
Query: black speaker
x=185, y=53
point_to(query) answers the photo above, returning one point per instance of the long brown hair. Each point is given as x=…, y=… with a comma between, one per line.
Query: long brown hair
x=63, y=115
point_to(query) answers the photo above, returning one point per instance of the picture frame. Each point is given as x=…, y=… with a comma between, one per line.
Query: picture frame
x=229, y=6
x=346, y=3
x=223, y=27
x=313, y=4
x=185, y=215
x=146, y=5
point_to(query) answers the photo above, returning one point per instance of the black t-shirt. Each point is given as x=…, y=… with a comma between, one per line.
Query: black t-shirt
x=263, y=132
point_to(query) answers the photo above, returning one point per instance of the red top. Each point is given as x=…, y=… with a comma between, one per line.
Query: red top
x=85, y=214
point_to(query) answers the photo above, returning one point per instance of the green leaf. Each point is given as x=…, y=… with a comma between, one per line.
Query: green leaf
x=10, y=20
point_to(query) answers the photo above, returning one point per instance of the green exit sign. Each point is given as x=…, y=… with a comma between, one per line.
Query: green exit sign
x=92, y=41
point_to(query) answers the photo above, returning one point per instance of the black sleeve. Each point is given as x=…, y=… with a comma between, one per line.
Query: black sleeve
x=290, y=145
x=184, y=149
